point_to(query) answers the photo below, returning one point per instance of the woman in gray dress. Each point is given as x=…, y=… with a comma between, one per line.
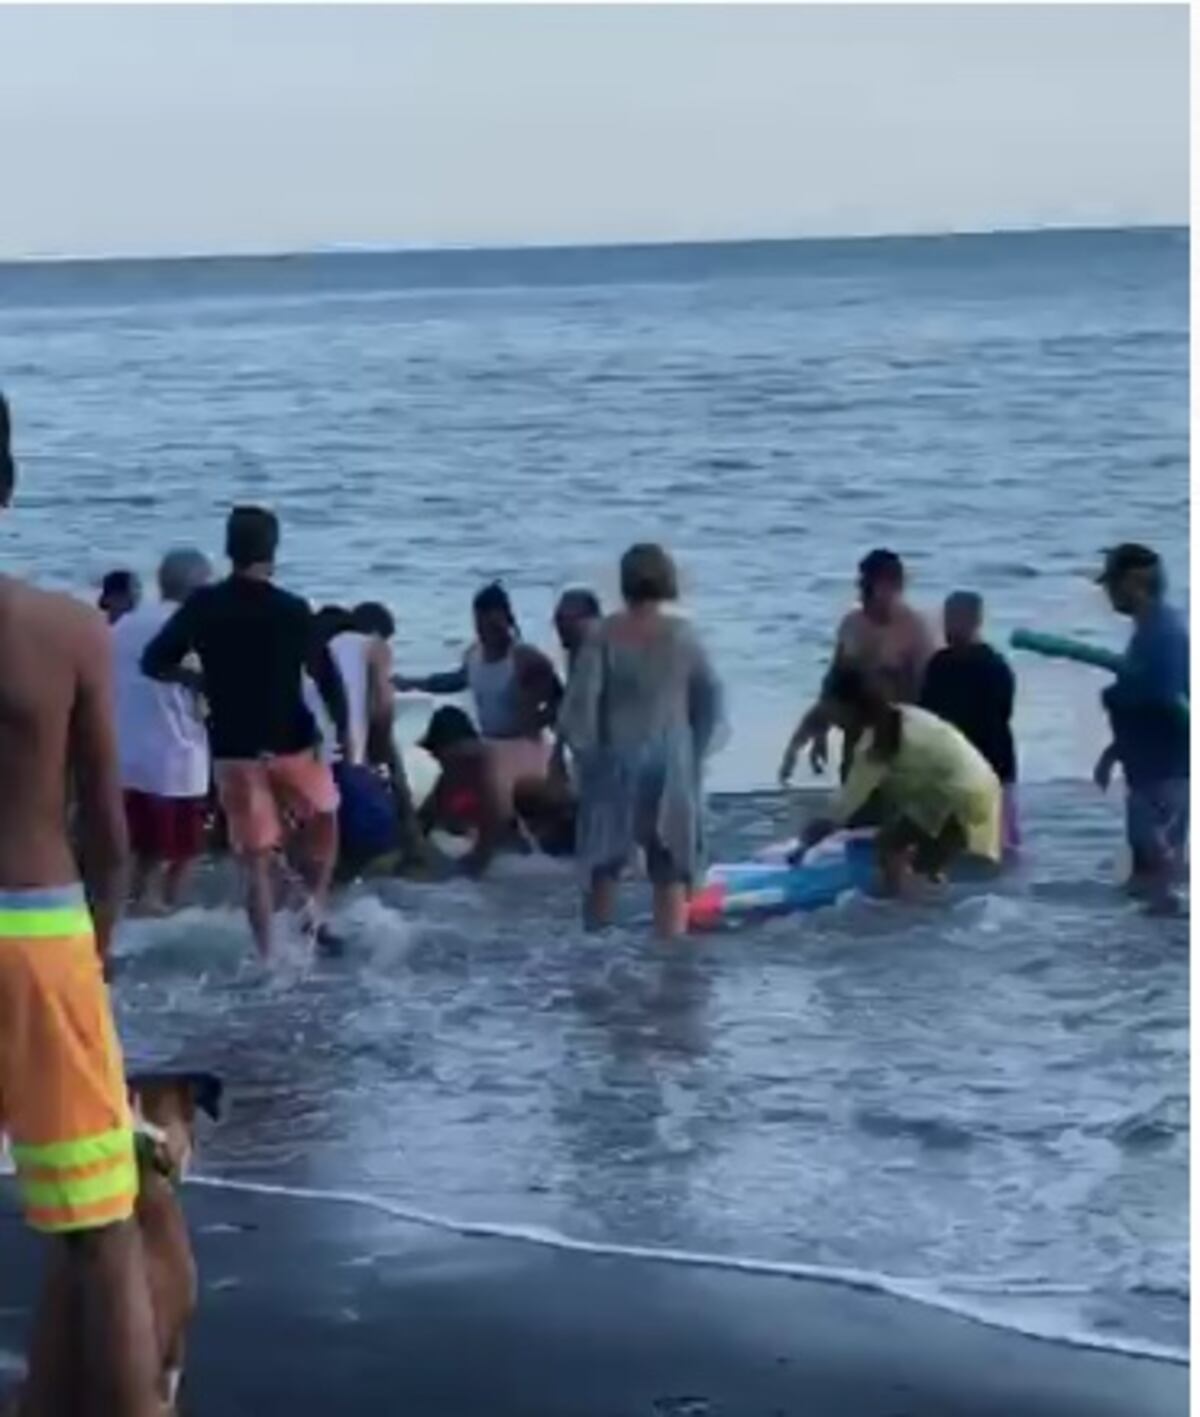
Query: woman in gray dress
x=641, y=713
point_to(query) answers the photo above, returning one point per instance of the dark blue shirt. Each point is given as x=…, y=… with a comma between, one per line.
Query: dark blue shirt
x=1148, y=703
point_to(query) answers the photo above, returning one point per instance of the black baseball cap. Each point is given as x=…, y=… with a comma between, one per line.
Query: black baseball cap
x=1129, y=556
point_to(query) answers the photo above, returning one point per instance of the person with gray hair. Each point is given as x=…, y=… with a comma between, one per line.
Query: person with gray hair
x=163, y=745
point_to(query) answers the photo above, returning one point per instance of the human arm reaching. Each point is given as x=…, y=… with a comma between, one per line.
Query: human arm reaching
x=453, y=681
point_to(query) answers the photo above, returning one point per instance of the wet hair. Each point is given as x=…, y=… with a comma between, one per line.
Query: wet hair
x=648, y=575
x=372, y=618
x=880, y=565
x=251, y=537
x=580, y=598
x=182, y=571
x=847, y=685
x=8, y=468
x=120, y=583
x=330, y=621
x=447, y=726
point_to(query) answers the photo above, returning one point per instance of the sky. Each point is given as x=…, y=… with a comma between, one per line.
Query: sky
x=164, y=130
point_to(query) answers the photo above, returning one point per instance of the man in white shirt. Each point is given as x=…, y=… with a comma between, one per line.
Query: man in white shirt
x=163, y=745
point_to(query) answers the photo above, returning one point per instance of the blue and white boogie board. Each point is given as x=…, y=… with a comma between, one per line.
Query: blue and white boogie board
x=771, y=885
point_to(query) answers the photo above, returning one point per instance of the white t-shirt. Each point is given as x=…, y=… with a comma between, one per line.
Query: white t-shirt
x=349, y=652
x=161, y=737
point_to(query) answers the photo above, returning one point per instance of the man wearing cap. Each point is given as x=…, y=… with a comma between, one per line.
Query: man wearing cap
x=1148, y=710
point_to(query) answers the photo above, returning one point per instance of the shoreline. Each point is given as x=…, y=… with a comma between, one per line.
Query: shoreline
x=923, y=1293
x=304, y=1303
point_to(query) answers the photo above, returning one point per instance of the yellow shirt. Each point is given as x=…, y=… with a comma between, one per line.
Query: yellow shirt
x=936, y=776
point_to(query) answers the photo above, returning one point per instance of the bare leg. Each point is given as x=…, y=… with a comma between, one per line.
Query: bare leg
x=146, y=895
x=260, y=898
x=174, y=882
x=316, y=853
x=895, y=867
x=670, y=910
x=119, y=1344
x=600, y=902
x=55, y=1385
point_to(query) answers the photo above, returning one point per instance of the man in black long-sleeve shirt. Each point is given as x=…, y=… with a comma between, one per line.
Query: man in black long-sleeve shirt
x=254, y=643
x=971, y=685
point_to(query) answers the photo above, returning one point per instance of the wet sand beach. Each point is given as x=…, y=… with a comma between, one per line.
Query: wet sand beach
x=313, y=1307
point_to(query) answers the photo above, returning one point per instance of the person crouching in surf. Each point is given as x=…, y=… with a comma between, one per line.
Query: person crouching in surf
x=932, y=795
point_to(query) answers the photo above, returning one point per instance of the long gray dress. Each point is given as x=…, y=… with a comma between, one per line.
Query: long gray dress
x=640, y=719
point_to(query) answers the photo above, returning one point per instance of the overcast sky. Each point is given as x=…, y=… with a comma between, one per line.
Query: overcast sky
x=165, y=130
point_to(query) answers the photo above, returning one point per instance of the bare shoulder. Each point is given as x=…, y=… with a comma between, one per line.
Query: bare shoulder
x=850, y=628
x=917, y=622
x=530, y=656
x=61, y=617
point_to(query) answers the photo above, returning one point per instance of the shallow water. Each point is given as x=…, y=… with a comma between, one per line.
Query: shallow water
x=989, y=1097
x=983, y=1101
x=996, y=408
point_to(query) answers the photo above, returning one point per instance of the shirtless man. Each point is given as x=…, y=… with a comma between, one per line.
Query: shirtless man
x=886, y=638
x=62, y=1087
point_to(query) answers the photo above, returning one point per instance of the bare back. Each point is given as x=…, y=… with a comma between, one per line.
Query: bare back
x=56, y=732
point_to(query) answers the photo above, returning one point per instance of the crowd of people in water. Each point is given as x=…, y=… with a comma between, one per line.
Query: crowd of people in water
x=247, y=720
x=228, y=715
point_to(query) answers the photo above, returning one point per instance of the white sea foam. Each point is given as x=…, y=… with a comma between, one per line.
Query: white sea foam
x=983, y=1306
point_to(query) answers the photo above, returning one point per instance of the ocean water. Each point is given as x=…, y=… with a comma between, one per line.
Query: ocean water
x=981, y=1103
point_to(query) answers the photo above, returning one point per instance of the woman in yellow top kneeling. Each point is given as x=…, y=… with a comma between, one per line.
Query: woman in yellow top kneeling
x=930, y=792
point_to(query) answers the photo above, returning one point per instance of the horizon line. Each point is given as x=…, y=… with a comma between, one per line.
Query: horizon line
x=435, y=248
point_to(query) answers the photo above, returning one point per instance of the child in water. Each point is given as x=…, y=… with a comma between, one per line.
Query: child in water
x=930, y=792
x=971, y=685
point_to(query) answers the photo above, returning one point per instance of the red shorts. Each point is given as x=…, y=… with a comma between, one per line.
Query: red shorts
x=165, y=828
x=258, y=793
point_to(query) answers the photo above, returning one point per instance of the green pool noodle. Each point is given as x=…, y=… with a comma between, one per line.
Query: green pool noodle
x=1062, y=647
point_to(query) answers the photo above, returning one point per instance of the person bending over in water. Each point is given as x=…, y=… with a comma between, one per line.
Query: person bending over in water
x=972, y=686
x=254, y=643
x=515, y=689
x=886, y=639
x=63, y=1099
x=465, y=801
x=930, y=792
x=120, y=594
x=1147, y=707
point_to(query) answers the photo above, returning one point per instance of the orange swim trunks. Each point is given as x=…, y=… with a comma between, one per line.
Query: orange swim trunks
x=63, y=1100
x=257, y=793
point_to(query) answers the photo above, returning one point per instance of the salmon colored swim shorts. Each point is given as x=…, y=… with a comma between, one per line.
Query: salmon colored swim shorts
x=257, y=793
x=63, y=1101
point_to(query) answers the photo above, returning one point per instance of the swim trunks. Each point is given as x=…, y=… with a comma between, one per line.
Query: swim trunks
x=165, y=828
x=257, y=793
x=63, y=1100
